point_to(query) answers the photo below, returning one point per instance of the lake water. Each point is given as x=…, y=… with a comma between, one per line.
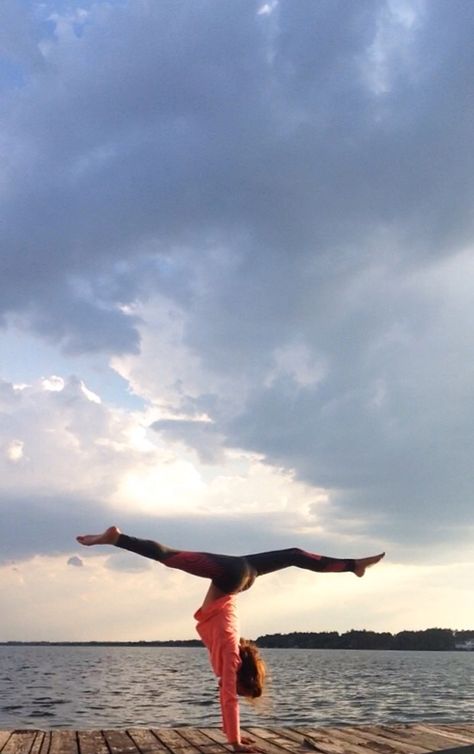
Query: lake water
x=106, y=687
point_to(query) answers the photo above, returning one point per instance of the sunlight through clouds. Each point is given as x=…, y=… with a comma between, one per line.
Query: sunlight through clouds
x=174, y=487
x=236, y=303
x=14, y=450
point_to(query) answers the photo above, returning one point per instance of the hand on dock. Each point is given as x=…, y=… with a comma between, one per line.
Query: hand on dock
x=246, y=744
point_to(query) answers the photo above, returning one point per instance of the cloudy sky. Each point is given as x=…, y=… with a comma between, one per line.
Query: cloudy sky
x=236, y=308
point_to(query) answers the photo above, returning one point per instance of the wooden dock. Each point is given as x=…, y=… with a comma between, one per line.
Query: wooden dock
x=417, y=738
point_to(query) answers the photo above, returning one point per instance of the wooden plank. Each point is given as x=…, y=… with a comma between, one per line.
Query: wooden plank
x=146, y=742
x=469, y=728
x=320, y=740
x=265, y=740
x=266, y=745
x=92, y=742
x=469, y=749
x=368, y=738
x=432, y=741
x=448, y=732
x=20, y=742
x=462, y=729
x=195, y=736
x=200, y=740
x=119, y=742
x=404, y=733
x=4, y=736
x=262, y=739
x=38, y=744
x=295, y=744
x=441, y=739
x=216, y=735
x=45, y=744
x=297, y=737
x=276, y=737
x=357, y=738
x=404, y=738
x=403, y=744
x=174, y=741
x=63, y=742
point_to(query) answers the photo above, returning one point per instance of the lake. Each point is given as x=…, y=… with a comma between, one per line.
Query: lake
x=106, y=687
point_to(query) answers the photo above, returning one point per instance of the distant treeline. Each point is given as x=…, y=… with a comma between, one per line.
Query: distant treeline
x=434, y=639
x=437, y=639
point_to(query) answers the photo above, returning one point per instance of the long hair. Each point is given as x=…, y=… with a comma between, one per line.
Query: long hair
x=252, y=672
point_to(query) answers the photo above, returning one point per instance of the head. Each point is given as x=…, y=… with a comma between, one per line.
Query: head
x=252, y=672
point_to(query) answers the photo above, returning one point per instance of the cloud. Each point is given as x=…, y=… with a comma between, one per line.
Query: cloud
x=75, y=561
x=165, y=601
x=265, y=218
x=200, y=435
x=380, y=420
x=274, y=143
x=125, y=561
x=86, y=465
x=380, y=426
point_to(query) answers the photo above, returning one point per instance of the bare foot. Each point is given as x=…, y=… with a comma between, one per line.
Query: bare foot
x=108, y=537
x=362, y=563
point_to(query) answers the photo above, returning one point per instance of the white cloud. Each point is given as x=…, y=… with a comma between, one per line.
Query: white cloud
x=14, y=450
x=69, y=443
x=53, y=383
x=267, y=8
x=93, y=596
x=92, y=599
x=90, y=395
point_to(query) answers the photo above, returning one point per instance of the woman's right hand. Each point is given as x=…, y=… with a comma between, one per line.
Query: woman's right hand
x=246, y=744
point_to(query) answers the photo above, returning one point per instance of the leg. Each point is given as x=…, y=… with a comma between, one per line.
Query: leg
x=228, y=573
x=145, y=547
x=268, y=562
x=113, y=536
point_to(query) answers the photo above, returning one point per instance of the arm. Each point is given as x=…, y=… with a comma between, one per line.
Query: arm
x=228, y=696
x=230, y=702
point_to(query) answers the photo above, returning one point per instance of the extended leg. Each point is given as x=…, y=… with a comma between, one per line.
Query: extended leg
x=145, y=547
x=268, y=562
x=229, y=574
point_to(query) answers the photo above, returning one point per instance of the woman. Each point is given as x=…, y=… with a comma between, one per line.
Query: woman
x=234, y=661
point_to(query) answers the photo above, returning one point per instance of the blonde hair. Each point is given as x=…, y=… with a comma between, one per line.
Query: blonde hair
x=252, y=672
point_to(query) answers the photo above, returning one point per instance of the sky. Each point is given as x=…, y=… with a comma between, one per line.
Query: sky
x=236, y=309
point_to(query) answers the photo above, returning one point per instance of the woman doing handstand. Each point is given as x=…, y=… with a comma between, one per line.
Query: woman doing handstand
x=235, y=661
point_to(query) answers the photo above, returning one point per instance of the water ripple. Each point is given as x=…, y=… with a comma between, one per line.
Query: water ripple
x=100, y=687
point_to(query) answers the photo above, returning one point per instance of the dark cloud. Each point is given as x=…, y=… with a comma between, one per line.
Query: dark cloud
x=324, y=152
x=113, y=148
x=153, y=129
x=386, y=427
x=200, y=435
x=49, y=526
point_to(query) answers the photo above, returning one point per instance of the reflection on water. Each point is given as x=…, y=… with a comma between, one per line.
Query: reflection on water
x=99, y=687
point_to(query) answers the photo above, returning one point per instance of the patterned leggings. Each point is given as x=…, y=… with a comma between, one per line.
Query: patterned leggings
x=230, y=573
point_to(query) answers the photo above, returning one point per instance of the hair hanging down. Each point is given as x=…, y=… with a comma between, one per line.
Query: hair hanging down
x=252, y=672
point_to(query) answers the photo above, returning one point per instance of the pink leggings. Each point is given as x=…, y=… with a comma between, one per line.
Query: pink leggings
x=232, y=573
